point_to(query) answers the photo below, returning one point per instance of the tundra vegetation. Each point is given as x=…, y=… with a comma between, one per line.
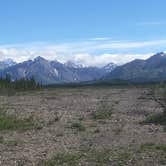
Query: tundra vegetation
x=86, y=126
x=158, y=95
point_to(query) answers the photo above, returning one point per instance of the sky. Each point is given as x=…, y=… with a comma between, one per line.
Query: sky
x=92, y=32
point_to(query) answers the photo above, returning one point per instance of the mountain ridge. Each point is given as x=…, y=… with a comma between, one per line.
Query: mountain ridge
x=50, y=72
x=151, y=69
x=55, y=72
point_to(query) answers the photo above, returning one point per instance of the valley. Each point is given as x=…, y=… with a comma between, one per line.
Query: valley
x=83, y=126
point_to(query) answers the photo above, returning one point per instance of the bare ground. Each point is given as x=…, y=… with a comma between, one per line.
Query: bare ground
x=122, y=138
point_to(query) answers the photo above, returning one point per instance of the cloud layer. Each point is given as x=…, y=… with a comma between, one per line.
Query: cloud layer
x=92, y=52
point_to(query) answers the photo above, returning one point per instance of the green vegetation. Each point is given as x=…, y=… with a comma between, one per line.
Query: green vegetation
x=153, y=147
x=91, y=157
x=117, y=157
x=99, y=157
x=67, y=159
x=8, y=142
x=93, y=84
x=159, y=118
x=158, y=94
x=104, y=111
x=10, y=122
x=7, y=86
x=78, y=126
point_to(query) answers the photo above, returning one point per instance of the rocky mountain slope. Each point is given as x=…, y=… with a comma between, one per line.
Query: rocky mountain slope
x=50, y=72
x=151, y=69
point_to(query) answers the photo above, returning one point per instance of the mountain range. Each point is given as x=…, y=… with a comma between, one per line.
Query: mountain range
x=54, y=72
x=151, y=69
x=6, y=63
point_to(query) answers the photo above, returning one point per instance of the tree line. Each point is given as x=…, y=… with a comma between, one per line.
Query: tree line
x=22, y=84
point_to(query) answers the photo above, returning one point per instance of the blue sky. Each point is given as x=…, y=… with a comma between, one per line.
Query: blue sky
x=82, y=30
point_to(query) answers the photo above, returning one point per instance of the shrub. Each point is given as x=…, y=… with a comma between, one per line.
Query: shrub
x=156, y=119
x=153, y=147
x=78, y=126
x=104, y=111
x=64, y=159
x=9, y=122
x=158, y=94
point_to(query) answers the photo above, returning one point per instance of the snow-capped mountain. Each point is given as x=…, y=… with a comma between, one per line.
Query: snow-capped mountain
x=6, y=63
x=72, y=64
x=109, y=67
x=151, y=69
x=50, y=72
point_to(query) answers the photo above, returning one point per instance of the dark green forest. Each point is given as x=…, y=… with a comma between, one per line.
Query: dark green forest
x=18, y=85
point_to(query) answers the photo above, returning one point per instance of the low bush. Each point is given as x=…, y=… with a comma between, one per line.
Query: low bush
x=10, y=122
x=159, y=118
x=104, y=111
x=78, y=126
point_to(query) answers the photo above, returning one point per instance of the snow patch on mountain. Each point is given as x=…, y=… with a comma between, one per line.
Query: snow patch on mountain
x=56, y=72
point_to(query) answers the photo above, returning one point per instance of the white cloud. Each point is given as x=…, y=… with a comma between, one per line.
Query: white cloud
x=98, y=45
x=98, y=51
x=100, y=39
x=103, y=59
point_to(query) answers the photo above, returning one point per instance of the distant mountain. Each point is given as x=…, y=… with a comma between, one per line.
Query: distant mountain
x=52, y=72
x=109, y=67
x=152, y=69
x=6, y=63
x=72, y=64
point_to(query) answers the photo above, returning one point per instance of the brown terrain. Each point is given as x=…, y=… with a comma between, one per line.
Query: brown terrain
x=88, y=126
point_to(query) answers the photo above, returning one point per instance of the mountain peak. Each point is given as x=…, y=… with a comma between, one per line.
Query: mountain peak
x=157, y=57
x=160, y=54
x=6, y=63
x=39, y=58
x=72, y=64
x=9, y=62
x=109, y=67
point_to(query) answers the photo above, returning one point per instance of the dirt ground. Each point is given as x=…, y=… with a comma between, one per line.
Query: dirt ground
x=67, y=132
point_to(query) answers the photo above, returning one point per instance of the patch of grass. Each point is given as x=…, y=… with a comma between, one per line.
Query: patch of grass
x=91, y=157
x=64, y=159
x=11, y=143
x=103, y=112
x=146, y=146
x=78, y=126
x=98, y=157
x=121, y=158
x=155, y=119
x=161, y=147
x=153, y=147
x=10, y=122
x=8, y=142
